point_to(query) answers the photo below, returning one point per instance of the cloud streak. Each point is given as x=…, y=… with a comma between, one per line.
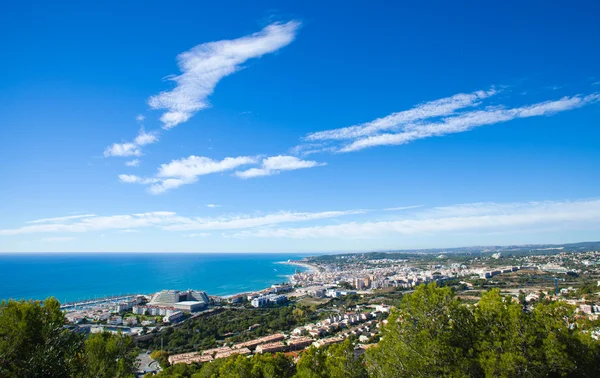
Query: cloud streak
x=276, y=164
x=480, y=218
x=170, y=221
x=436, y=108
x=186, y=171
x=205, y=65
x=470, y=120
x=432, y=119
x=132, y=148
x=61, y=219
x=487, y=217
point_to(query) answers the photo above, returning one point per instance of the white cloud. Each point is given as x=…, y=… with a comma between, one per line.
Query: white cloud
x=98, y=223
x=249, y=221
x=212, y=205
x=467, y=121
x=140, y=118
x=170, y=221
x=164, y=185
x=401, y=208
x=123, y=149
x=437, y=108
x=143, y=138
x=133, y=163
x=186, y=171
x=132, y=148
x=194, y=166
x=60, y=219
x=275, y=164
x=204, y=65
x=480, y=218
x=130, y=179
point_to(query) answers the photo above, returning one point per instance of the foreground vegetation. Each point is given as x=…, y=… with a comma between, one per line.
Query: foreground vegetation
x=35, y=343
x=231, y=325
x=431, y=333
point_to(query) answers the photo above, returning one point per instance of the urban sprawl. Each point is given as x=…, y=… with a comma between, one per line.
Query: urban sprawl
x=553, y=274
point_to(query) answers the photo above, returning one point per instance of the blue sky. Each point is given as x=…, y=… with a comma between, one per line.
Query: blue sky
x=289, y=127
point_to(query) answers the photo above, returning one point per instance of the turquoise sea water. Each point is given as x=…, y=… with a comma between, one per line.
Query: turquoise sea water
x=70, y=277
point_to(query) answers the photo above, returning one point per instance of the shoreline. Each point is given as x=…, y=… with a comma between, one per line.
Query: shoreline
x=309, y=267
x=285, y=275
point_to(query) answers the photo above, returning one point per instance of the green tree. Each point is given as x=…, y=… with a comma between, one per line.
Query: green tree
x=272, y=366
x=544, y=342
x=109, y=356
x=34, y=342
x=312, y=363
x=335, y=361
x=431, y=334
x=342, y=363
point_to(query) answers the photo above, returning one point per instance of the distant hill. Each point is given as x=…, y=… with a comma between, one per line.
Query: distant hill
x=476, y=250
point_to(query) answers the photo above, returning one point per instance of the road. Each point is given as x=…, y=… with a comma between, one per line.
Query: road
x=147, y=364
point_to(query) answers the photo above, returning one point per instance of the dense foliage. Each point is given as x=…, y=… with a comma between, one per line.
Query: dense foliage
x=336, y=361
x=257, y=366
x=235, y=324
x=35, y=343
x=432, y=334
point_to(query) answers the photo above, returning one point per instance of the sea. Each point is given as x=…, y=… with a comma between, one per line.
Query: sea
x=71, y=277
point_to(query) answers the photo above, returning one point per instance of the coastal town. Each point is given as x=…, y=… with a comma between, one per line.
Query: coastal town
x=347, y=297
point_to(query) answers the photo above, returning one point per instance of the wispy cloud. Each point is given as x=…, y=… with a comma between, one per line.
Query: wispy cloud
x=131, y=179
x=204, y=65
x=61, y=219
x=489, y=217
x=437, y=108
x=170, y=221
x=99, y=223
x=133, y=163
x=132, y=148
x=140, y=118
x=401, y=208
x=143, y=138
x=123, y=149
x=212, y=205
x=470, y=120
x=435, y=118
x=230, y=222
x=435, y=222
x=275, y=164
x=186, y=171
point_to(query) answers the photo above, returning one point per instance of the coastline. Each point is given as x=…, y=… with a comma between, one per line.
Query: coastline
x=81, y=275
x=309, y=267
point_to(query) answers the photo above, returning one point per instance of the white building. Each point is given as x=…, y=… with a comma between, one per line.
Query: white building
x=173, y=317
x=264, y=300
